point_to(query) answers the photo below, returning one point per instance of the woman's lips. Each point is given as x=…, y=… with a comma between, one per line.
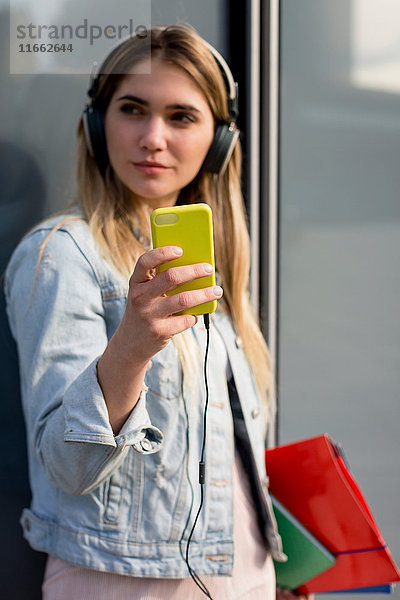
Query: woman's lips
x=150, y=168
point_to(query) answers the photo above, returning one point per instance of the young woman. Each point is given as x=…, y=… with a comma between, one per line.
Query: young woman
x=111, y=372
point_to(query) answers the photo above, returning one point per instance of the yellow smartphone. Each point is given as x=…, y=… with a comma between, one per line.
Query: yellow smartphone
x=189, y=227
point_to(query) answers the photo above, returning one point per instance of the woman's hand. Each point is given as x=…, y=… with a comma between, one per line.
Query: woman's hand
x=150, y=318
x=149, y=322
x=282, y=594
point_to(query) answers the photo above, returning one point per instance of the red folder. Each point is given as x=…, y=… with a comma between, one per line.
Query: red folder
x=311, y=479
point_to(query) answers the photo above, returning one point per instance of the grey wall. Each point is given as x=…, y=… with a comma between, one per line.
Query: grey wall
x=40, y=112
x=39, y=115
x=340, y=242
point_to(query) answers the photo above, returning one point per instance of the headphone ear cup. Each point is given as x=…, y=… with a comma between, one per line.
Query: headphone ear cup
x=93, y=125
x=220, y=151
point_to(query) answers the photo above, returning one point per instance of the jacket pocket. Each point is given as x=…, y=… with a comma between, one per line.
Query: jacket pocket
x=114, y=489
x=164, y=376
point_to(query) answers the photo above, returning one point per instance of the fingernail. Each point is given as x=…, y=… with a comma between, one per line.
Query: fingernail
x=208, y=268
x=178, y=251
x=218, y=291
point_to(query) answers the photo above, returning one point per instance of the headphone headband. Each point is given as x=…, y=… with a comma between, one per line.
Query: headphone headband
x=230, y=83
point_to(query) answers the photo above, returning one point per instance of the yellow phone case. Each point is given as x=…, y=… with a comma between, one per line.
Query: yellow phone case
x=190, y=228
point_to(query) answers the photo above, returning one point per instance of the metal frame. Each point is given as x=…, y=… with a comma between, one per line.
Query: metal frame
x=262, y=91
x=270, y=177
x=256, y=58
x=268, y=266
x=253, y=151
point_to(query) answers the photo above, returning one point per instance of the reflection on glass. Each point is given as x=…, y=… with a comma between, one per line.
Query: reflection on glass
x=375, y=33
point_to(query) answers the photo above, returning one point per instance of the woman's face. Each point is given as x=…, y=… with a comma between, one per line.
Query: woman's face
x=159, y=128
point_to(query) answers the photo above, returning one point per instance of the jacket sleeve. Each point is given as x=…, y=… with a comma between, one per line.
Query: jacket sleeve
x=57, y=317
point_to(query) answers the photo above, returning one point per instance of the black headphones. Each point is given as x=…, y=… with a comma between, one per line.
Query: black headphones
x=225, y=135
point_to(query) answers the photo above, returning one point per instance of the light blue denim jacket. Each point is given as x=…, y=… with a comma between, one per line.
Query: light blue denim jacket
x=120, y=503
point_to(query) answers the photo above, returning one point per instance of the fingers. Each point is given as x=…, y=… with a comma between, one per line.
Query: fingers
x=171, y=323
x=186, y=300
x=170, y=278
x=147, y=287
x=156, y=315
x=175, y=276
x=149, y=261
x=178, y=324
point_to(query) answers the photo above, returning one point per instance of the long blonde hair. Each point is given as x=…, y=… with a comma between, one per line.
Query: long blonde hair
x=121, y=226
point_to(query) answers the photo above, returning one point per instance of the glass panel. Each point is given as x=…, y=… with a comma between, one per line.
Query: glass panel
x=39, y=115
x=340, y=238
x=40, y=111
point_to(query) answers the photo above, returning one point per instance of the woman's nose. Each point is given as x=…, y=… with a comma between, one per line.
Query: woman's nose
x=154, y=134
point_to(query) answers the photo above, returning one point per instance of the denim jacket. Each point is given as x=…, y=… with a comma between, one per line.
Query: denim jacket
x=120, y=503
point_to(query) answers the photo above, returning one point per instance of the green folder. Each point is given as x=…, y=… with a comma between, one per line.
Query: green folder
x=307, y=557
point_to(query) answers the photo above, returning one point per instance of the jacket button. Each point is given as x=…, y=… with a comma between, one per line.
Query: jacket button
x=255, y=412
x=146, y=444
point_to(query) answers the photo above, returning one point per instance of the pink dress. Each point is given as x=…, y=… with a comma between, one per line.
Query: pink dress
x=253, y=576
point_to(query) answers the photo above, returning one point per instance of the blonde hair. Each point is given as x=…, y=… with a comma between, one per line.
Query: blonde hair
x=121, y=226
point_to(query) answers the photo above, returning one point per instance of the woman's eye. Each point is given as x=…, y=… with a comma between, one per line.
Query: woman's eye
x=183, y=118
x=130, y=109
